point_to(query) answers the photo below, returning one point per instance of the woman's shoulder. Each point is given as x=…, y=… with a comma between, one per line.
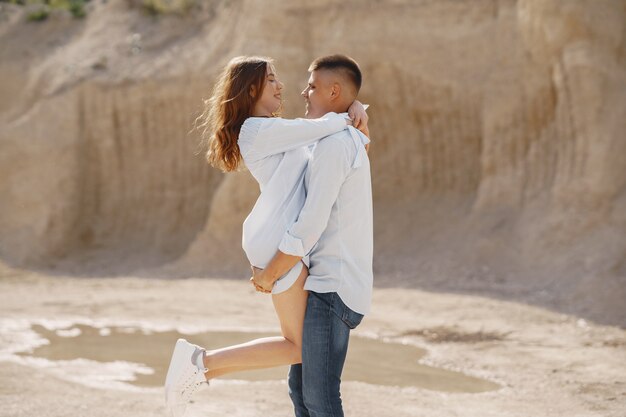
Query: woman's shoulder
x=250, y=128
x=253, y=126
x=253, y=121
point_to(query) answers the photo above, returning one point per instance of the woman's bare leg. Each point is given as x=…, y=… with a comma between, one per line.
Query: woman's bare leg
x=267, y=352
x=214, y=373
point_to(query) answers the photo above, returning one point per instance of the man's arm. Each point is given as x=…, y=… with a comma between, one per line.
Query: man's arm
x=329, y=167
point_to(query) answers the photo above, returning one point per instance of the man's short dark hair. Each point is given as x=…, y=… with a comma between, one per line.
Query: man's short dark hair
x=345, y=64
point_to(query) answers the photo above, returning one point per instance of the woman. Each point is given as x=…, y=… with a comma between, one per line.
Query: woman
x=240, y=124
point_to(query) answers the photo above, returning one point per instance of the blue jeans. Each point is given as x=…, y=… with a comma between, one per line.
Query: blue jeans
x=314, y=384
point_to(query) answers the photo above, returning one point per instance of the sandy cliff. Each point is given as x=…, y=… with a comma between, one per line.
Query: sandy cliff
x=498, y=158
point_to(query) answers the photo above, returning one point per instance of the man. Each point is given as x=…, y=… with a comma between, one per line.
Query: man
x=335, y=228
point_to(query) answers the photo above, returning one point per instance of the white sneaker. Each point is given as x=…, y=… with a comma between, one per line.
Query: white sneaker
x=184, y=376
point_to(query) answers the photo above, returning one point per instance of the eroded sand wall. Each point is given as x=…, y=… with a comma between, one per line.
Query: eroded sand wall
x=498, y=157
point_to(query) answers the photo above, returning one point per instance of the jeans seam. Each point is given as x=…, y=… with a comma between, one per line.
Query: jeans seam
x=329, y=405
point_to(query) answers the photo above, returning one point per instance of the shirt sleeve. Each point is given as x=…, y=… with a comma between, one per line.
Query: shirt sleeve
x=328, y=169
x=262, y=137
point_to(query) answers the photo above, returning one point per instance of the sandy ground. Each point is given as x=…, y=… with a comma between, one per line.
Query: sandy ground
x=548, y=364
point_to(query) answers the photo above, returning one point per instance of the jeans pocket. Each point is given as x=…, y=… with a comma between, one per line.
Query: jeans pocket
x=351, y=318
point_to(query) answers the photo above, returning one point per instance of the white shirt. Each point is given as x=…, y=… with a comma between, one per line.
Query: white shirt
x=276, y=152
x=335, y=226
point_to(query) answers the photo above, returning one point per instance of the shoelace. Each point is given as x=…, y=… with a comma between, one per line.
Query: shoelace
x=190, y=390
x=190, y=385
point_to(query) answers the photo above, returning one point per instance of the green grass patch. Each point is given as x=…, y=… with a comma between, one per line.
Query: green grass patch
x=75, y=7
x=38, y=15
x=159, y=7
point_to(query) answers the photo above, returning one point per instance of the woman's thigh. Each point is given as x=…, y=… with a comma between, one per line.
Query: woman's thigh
x=290, y=306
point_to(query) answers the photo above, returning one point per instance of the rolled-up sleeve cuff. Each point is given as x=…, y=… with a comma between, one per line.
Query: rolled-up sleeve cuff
x=291, y=245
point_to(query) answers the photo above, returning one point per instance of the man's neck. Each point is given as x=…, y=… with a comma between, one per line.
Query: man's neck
x=338, y=108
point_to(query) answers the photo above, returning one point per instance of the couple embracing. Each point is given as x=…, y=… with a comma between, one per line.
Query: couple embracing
x=309, y=237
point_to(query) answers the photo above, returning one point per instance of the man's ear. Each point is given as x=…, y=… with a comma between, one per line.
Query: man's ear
x=335, y=91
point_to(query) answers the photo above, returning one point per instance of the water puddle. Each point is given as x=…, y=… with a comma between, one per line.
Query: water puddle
x=369, y=360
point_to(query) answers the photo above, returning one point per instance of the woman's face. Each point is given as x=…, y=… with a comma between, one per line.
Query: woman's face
x=270, y=100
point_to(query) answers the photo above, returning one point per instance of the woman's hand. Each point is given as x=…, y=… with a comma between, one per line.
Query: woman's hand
x=359, y=116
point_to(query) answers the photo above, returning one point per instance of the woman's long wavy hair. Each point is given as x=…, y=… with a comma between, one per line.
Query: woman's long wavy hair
x=230, y=105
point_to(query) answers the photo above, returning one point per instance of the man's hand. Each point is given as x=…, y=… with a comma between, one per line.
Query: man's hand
x=260, y=281
x=358, y=115
x=281, y=263
x=256, y=287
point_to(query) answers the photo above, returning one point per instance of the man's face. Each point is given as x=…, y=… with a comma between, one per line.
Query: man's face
x=317, y=94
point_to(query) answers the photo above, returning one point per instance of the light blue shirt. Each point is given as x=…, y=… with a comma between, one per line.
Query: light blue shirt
x=335, y=226
x=276, y=151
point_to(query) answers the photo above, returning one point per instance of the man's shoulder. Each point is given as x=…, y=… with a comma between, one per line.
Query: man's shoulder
x=334, y=147
x=342, y=135
x=338, y=141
